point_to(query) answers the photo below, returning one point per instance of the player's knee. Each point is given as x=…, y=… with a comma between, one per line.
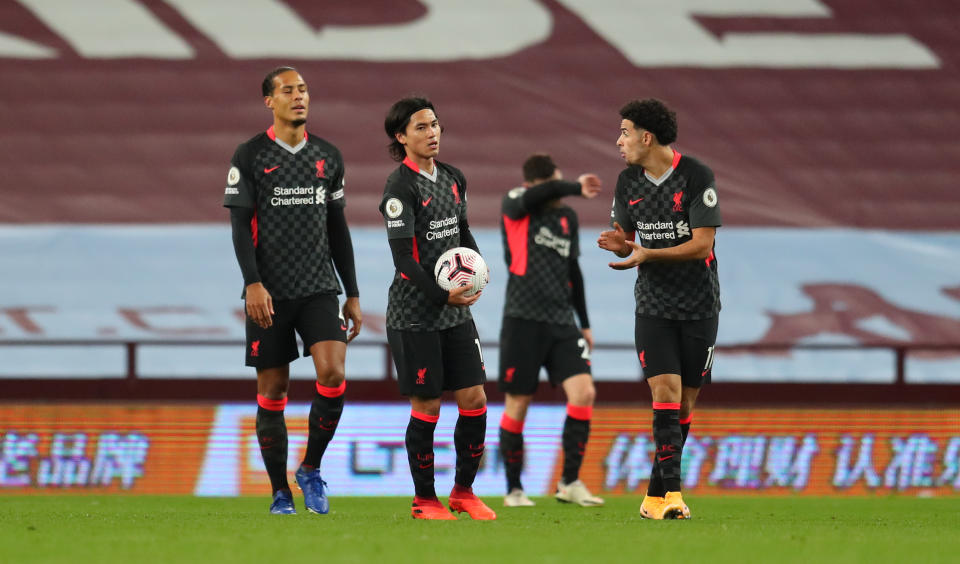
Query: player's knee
x=331, y=375
x=471, y=398
x=585, y=394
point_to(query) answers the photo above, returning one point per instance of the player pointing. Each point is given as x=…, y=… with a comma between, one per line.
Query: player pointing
x=669, y=201
x=541, y=246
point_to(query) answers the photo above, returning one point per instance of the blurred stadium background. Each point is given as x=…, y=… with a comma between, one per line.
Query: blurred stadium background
x=831, y=126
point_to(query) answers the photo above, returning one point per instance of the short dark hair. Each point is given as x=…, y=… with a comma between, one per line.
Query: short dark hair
x=267, y=86
x=399, y=117
x=538, y=166
x=654, y=116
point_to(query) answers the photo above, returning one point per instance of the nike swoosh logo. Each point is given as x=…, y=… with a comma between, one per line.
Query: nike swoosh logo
x=427, y=201
x=269, y=170
x=664, y=458
x=475, y=454
x=635, y=202
x=425, y=466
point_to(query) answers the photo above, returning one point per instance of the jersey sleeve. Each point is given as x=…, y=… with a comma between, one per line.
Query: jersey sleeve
x=574, y=235
x=397, y=207
x=240, y=190
x=704, y=206
x=618, y=211
x=512, y=205
x=337, y=182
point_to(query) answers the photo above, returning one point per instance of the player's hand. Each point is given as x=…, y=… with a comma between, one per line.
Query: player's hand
x=636, y=258
x=588, y=337
x=259, y=305
x=589, y=185
x=456, y=297
x=353, y=315
x=614, y=241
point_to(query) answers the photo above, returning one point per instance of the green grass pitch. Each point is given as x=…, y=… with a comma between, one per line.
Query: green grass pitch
x=139, y=529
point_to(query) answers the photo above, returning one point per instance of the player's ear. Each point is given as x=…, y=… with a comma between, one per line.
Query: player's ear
x=400, y=137
x=268, y=101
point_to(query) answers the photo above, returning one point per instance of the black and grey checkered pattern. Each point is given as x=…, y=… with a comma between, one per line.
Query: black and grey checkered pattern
x=431, y=213
x=290, y=193
x=664, y=216
x=538, y=249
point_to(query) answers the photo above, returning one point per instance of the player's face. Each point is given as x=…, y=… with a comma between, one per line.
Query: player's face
x=290, y=99
x=634, y=143
x=421, y=138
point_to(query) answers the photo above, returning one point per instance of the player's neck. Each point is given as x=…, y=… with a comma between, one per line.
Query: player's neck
x=288, y=132
x=659, y=161
x=426, y=164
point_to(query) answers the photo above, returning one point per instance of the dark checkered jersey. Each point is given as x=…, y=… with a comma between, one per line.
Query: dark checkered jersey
x=538, y=248
x=430, y=212
x=663, y=212
x=289, y=188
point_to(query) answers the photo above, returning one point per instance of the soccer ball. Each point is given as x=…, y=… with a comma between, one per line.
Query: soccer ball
x=460, y=266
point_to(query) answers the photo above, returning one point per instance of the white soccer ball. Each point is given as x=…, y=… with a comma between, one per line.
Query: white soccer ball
x=460, y=266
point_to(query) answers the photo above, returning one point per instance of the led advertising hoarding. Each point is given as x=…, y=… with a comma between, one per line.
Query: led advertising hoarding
x=212, y=450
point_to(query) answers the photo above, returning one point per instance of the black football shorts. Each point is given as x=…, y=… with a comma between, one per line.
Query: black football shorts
x=316, y=318
x=667, y=346
x=429, y=362
x=526, y=345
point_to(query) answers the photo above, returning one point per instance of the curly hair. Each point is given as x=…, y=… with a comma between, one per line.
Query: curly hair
x=654, y=116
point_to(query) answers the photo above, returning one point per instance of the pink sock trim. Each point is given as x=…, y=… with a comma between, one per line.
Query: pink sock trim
x=328, y=392
x=473, y=412
x=687, y=420
x=510, y=424
x=665, y=405
x=581, y=412
x=424, y=416
x=271, y=404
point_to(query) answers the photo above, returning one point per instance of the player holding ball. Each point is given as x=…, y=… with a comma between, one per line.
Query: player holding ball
x=431, y=333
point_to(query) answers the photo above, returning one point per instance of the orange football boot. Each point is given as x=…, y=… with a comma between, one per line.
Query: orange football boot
x=462, y=499
x=430, y=508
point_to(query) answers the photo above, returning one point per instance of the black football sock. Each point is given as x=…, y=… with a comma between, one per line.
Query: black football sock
x=511, y=450
x=324, y=417
x=419, y=443
x=655, y=488
x=576, y=430
x=669, y=441
x=468, y=438
x=272, y=436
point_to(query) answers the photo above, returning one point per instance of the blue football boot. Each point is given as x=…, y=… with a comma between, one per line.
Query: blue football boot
x=282, y=503
x=314, y=491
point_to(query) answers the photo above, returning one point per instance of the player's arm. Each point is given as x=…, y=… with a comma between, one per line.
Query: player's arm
x=697, y=248
x=239, y=198
x=341, y=250
x=402, y=251
x=580, y=300
x=615, y=240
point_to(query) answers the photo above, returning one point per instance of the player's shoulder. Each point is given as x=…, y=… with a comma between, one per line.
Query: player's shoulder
x=323, y=144
x=694, y=167
x=629, y=174
x=252, y=145
x=400, y=180
x=451, y=170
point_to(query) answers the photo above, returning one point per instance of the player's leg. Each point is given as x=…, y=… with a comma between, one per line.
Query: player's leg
x=697, y=342
x=511, y=447
x=568, y=363
x=522, y=352
x=416, y=356
x=658, y=348
x=464, y=374
x=270, y=352
x=324, y=339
